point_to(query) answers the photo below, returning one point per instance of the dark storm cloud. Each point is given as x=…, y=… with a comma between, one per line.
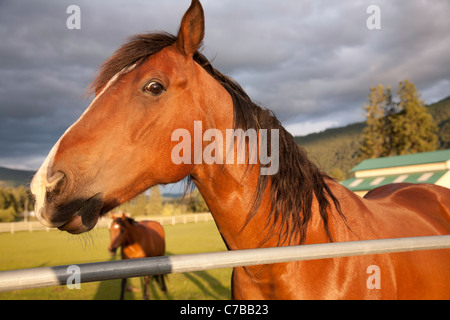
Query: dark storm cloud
x=322, y=60
x=45, y=68
x=312, y=62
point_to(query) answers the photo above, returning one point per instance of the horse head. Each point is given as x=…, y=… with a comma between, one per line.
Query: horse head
x=119, y=226
x=121, y=145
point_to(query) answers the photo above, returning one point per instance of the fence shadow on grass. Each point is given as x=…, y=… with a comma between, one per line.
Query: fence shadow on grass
x=214, y=290
x=109, y=289
x=204, y=281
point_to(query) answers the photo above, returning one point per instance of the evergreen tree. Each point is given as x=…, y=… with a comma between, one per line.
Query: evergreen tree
x=337, y=174
x=397, y=128
x=374, y=133
x=413, y=127
x=7, y=214
x=196, y=203
x=3, y=200
x=139, y=207
x=154, y=206
x=390, y=111
x=13, y=202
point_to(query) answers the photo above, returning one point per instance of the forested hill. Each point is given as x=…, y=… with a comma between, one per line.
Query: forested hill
x=335, y=150
x=14, y=178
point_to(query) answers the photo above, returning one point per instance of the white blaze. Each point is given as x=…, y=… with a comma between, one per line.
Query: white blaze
x=39, y=182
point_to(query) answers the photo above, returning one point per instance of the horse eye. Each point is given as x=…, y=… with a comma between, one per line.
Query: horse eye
x=155, y=88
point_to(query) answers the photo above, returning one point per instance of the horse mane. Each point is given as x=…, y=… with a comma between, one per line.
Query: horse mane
x=298, y=180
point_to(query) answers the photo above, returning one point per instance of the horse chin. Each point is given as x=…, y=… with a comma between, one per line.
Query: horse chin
x=86, y=217
x=75, y=226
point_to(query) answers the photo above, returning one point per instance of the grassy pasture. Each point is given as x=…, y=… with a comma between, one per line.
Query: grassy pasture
x=42, y=249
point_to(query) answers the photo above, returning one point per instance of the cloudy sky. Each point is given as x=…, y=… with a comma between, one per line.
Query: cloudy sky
x=311, y=62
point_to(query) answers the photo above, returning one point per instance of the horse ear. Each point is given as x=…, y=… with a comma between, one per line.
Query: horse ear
x=114, y=215
x=192, y=29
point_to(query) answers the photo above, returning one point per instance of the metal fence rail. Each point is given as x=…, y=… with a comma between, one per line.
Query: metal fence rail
x=108, y=270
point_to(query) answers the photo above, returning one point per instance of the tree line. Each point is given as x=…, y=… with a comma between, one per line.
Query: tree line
x=337, y=150
x=13, y=202
x=152, y=203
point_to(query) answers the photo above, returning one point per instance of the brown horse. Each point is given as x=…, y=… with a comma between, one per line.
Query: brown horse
x=160, y=102
x=137, y=240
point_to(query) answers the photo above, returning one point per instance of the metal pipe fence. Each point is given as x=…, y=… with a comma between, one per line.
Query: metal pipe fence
x=108, y=270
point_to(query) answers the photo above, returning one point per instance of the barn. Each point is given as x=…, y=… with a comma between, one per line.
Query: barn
x=426, y=167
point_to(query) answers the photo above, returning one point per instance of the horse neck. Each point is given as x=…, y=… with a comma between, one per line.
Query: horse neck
x=229, y=189
x=229, y=195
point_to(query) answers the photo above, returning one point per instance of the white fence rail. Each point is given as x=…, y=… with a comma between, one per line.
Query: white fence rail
x=31, y=226
x=108, y=270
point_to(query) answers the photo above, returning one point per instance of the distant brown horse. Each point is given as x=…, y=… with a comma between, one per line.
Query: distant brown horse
x=160, y=106
x=138, y=240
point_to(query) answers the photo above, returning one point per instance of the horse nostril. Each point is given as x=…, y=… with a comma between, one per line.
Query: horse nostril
x=56, y=183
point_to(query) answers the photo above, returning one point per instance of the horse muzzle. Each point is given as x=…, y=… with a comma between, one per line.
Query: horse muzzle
x=86, y=217
x=112, y=251
x=57, y=206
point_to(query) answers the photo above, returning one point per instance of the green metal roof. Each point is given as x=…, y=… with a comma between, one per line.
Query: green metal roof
x=369, y=183
x=406, y=160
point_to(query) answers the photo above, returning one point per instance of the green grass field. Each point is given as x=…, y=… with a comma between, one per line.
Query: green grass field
x=42, y=249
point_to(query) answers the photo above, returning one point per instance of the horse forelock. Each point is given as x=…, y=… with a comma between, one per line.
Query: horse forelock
x=130, y=55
